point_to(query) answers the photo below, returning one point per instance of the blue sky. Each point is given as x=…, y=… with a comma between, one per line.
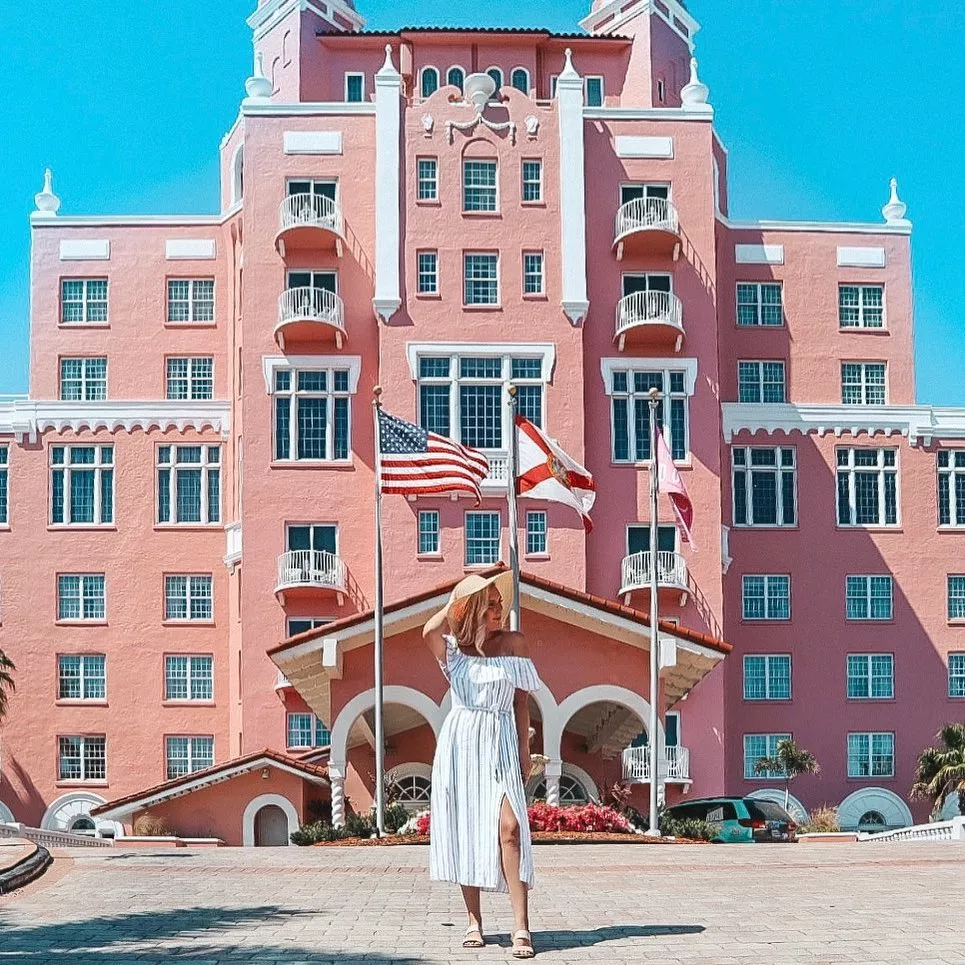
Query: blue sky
x=818, y=105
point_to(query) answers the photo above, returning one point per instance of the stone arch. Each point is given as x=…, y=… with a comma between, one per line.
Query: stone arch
x=255, y=805
x=480, y=148
x=894, y=810
x=601, y=693
x=794, y=807
x=69, y=807
x=6, y=815
x=238, y=174
x=393, y=694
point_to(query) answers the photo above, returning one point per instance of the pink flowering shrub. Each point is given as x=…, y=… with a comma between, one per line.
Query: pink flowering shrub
x=545, y=817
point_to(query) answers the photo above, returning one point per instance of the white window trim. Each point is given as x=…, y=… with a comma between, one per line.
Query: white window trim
x=868, y=676
x=529, y=80
x=311, y=524
x=84, y=302
x=191, y=320
x=956, y=477
x=451, y=68
x=760, y=303
x=192, y=377
x=767, y=658
x=330, y=394
x=862, y=326
x=83, y=577
x=273, y=363
x=767, y=577
x=948, y=597
x=523, y=181
x=189, y=679
x=759, y=381
x=5, y=475
x=777, y=469
x=864, y=383
x=545, y=552
x=81, y=678
x=544, y=350
x=190, y=738
x=882, y=470
x=439, y=82
x=867, y=577
x=189, y=596
x=955, y=676
x=317, y=725
x=484, y=306
x=502, y=74
x=205, y=467
x=498, y=194
x=465, y=538
x=83, y=779
x=870, y=734
x=437, y=552
x=349, y=74
x=586, y=90
x=437, y=290
x=317, y=622
x=419, y=181
x=84, y=379
x=528, y=253
x=99, y=467
x=761, y=777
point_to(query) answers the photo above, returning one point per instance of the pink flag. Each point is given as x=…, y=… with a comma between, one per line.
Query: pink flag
x=669, y=482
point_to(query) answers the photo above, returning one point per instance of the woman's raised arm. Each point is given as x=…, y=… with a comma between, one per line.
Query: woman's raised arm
x=434, y=634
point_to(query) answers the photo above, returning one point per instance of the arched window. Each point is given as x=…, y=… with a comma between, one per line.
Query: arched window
x=238, y=174
x=430, y=81
x=83, y=825
x=412, y=791
x=571, y=791
x=520, y=80
x=872, y=821
x=456, y=77
x=497, y=76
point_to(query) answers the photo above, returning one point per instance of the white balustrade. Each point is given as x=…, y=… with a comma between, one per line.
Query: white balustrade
x=312, y=304
x=953, y=830
x=649, y=308
x=311, y=568
x=310, y=211
x=498, y=477
x=53, y=839
x=676, y=764
x=646, y=214
x=635, y=571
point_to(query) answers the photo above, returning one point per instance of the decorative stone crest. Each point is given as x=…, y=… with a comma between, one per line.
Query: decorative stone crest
x=478, y=90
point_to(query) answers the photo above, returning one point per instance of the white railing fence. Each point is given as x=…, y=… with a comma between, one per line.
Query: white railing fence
x=953, y=830
x=311, y=568
x=649, y=308
x=53, y=839
x=316, y=304
x=636, y=569
x=676, y=764
x=311, y=210
x=498, y=471
x=642, y=214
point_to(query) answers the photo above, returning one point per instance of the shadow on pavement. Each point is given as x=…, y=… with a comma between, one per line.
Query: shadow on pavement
x=563, y=939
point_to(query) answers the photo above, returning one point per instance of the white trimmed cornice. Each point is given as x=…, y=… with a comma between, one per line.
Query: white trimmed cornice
x=647, y=114
x=123, y=220
x=309, y=108
x=837, y=227
x=621, y=12
x=27, y=418
x=921, y=424
x=270, y=14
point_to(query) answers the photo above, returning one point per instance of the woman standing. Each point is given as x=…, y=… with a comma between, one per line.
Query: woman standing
x=479, y=830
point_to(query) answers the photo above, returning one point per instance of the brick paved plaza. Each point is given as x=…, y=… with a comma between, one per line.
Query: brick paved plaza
x=670, y=905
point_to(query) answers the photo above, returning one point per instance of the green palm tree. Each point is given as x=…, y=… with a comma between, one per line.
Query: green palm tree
x=790, y=761
x=941, y=770
x=6, y=682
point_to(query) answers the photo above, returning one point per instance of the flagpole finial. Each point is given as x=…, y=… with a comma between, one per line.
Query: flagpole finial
x=654, y=392
x=377, y=393
x=512, y=391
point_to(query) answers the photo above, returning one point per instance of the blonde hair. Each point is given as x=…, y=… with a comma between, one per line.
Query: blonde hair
x=467, y=619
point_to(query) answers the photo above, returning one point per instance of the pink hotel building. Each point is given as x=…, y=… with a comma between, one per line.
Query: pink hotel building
x=186, y=496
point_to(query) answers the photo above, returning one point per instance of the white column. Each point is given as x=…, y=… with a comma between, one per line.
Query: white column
x=569, y=97
x=554, y=769
x=336, y=777
x=388, y=129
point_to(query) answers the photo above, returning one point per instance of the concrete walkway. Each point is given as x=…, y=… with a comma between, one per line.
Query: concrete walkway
x=660, y=905
x=13, y=850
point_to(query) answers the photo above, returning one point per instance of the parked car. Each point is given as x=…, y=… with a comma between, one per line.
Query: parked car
x=740, y=819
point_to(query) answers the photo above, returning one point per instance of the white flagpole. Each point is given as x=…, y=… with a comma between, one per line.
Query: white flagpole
x=513, y=507
x=653, y=744
x=379, y=635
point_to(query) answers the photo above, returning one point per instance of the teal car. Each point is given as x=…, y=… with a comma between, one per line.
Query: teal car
x=740, y=820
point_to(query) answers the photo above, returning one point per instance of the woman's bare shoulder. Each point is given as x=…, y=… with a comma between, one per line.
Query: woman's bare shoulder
x=515, y=644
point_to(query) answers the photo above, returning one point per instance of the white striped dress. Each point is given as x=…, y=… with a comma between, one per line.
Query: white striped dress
x=476, y=765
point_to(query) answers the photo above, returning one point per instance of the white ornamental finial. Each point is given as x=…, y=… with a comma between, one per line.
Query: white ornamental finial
x=258, y=86
x=694, y=95
x=568, y=69
x=388, y=67
x=894, y=210
x=48, y=204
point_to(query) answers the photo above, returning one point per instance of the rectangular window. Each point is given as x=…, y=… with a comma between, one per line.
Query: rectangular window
x=867, y=487
x=871, y=755
x=861, y=306
x=863, y=383
x=428, y=168
x=429, y=532
x=951, y=488
x=190, y=378
x=956, y=597
x=481, y=276
x=4, y=487
x=190, y=300
x=594, y=91
x=760, y=303
x=536, y=533
x=188, y=678
x=767, y=597
x=82, y=676
x=82, y=758
x=482, y=538
x=871, y=676
x=757, y=746
x=760, y=382
x=355, y=88
x=956, y=675
x=630, y=413
x=479, y=185
x=307, y=730
x=428, y=273
x=868, y=597
x=298, y=625
x=83, y=380
x=83, y=301
x=80, y=597
x=532, y=181
x=767, y=677
x=533, y=273
x=188, y=598
x=765, y=486
x=188, y=484
x=81, y=485
x=312, y=415
x=188, y=755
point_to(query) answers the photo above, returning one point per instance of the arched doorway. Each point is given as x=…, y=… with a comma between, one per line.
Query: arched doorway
x=271, y=827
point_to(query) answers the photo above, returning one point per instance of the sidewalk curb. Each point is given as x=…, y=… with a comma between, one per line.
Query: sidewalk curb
x=26, y=870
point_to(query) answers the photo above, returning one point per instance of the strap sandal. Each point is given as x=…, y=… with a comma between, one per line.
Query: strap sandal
x=474, y=937
x=523, y=944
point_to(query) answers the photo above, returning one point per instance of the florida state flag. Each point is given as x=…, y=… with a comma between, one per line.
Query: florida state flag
x=669, y=482
x=546, y=472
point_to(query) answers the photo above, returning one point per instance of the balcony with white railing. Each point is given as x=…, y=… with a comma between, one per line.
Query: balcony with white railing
x=310, y=315
x=310, y=573
x=649, y=317
x=647, y=226
x=309, y=222
x=635, y=574
x=674, y=769
x=498, y=478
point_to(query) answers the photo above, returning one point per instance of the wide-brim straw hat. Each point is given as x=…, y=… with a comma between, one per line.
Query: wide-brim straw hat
x=475, y=582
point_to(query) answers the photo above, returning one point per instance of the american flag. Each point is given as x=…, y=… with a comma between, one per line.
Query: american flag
x=420, y=463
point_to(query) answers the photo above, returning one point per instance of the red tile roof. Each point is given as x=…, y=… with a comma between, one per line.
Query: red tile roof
x=498, y=31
